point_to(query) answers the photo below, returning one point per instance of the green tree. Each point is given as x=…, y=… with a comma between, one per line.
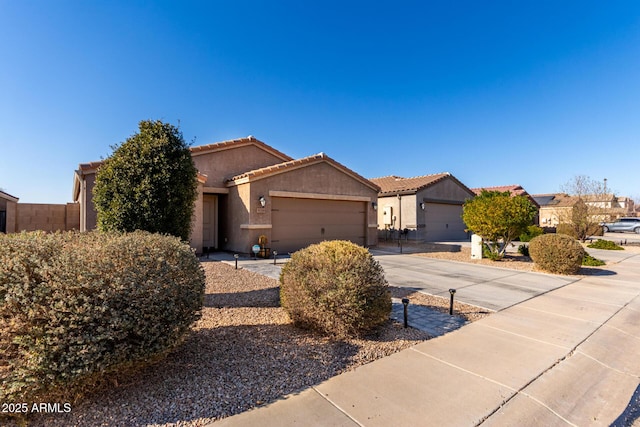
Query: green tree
x=498, y=218
x=148, y=183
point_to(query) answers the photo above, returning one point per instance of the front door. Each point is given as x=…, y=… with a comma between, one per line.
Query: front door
x=210, y=221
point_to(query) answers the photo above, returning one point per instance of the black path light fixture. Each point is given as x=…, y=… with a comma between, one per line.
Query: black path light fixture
x=405, y=303
x=236, y=258
x=275, y=254
x=452, y=292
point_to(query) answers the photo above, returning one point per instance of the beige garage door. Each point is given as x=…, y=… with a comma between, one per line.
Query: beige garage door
x=444, y=222
x=298, y=223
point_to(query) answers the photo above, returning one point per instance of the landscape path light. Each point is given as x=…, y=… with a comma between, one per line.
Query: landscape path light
x=275, y=254
x=405, y=303
x=452, y=292
x=236, y=257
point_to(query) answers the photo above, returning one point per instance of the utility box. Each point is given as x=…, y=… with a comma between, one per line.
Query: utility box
x=476, y=247
x=387, y=215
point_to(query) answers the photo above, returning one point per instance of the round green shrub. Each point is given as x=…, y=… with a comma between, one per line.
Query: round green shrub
x=557, y=253
x=76, y=306
x=335, y=287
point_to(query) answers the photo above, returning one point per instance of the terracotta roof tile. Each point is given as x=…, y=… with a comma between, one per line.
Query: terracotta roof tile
x=297, y=163
x=393, y=184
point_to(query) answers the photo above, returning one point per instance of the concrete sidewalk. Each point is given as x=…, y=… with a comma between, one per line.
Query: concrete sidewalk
x=565, y=358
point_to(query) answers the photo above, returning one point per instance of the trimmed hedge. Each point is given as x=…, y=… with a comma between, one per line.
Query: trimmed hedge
x=532, y=232
x=605, y=244
x=557, y=253
x=335, y=287
x=75, y=306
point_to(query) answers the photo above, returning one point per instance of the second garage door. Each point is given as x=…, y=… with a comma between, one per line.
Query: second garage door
x=298, y=223
x=444, y=222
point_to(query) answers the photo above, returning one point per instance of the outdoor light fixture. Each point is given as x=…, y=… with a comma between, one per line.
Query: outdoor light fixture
x=422, y=205
x=275, y=254
x=374, y=205
x=263, y=201
x=236, y=257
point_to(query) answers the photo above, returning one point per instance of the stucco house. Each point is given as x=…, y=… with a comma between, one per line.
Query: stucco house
x=247, y=189
x=556, y=208
x=428, y=206
x=8, y=212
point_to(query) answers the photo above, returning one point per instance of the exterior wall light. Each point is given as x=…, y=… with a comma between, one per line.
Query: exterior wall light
x=263, y=201
x=374, y=205
x=422, y=205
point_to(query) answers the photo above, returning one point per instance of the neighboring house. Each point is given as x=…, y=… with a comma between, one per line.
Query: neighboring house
x=247, y=189
x=514, y=190
x=557, y=208
x=429, y=206
x=8, y=211
x=554, y=208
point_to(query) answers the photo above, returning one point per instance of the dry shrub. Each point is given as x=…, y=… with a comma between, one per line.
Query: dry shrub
x=557, y=253
x=335, y=287
x=75, y=306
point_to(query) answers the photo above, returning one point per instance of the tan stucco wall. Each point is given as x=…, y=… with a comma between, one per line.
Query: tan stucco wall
x=403, y=208
x=224, y=164
x=46, y=217
x=195, y=240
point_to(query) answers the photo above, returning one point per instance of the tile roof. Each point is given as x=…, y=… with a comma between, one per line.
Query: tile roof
x=393, y=184
x=295, y=164
x=8, y=196
x=208, y=148
x=514, y=190
x=232, y=143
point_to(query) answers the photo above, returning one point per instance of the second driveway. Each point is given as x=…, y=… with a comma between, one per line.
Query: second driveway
x=488, y=287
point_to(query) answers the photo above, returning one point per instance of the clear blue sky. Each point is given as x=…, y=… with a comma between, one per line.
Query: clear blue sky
x=502, y=92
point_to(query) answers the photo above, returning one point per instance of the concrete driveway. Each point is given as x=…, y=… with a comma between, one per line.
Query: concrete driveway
x=488, y=287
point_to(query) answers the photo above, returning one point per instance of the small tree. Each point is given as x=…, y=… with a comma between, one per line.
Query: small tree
x=498, y=218
x=148, y=183
x=591, y=208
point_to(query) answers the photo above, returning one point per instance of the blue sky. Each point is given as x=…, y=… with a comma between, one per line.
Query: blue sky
x=496, y=93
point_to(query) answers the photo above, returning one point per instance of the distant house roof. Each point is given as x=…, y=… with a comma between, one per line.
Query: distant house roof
x=514, y=190
x=8, y=196
x=392, y=184
x=556, y=200
x=288, y=166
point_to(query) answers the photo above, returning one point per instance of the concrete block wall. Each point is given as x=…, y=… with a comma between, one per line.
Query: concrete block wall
x=47, y=217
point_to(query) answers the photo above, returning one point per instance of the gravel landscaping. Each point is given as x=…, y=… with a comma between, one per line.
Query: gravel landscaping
x=243, y=353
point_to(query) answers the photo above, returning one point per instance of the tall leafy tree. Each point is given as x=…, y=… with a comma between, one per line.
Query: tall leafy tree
x=148, y=183
x=498, y=218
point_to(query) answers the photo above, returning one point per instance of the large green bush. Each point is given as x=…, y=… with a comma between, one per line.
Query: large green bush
x=148, y=183
x=335, y=287
x=76, y=306
x=557, y=253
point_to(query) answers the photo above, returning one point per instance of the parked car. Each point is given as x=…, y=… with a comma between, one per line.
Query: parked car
x=623, y=224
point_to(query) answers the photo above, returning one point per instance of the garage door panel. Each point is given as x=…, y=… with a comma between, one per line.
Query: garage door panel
x=444, y=222
x=298, y=223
